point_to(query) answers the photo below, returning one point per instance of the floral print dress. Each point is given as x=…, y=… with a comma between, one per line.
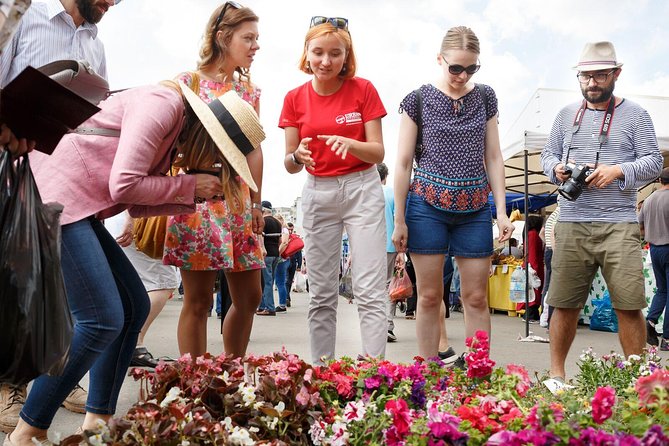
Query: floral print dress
x=214, y=238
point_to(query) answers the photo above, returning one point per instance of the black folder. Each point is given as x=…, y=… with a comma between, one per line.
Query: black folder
x=38, y=108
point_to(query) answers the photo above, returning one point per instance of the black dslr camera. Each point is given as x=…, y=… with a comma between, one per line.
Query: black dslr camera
x=573, y=187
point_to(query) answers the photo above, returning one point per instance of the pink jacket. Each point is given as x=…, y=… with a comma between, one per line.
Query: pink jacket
x=103, y=175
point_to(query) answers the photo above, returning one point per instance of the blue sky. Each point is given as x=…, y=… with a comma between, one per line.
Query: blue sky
x=525, y=44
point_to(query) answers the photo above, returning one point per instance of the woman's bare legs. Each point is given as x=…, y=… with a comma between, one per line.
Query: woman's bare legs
x=198, y=298
x=474, y=275
x=430, y=289
x=246, y=293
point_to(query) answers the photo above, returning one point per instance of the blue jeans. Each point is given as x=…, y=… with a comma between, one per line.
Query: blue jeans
x=280, y=275
x=268, y=274
x=659, y=255
x=109, y=305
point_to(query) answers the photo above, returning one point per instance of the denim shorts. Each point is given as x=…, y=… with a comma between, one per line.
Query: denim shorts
x=460, y=234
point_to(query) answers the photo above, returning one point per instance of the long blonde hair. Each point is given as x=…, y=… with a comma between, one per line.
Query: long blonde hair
x=196, y=150
x=212, y=51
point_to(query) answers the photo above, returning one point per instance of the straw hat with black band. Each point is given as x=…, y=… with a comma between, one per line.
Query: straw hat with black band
x=233, y=125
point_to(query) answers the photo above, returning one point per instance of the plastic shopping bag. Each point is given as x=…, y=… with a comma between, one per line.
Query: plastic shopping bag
x=300, y=282
x=35, y=316
x=400, y=285
x=604, y=316
x=346, y=283
x=517, y=287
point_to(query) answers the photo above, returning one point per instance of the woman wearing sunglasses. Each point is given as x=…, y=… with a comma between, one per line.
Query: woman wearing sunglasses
x=444, y=209
x=221, y=235
x=332, y=125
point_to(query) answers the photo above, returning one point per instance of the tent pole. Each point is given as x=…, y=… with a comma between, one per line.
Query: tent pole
x=525, y=249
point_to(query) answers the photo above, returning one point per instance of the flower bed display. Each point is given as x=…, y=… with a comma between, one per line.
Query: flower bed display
x=281, y=400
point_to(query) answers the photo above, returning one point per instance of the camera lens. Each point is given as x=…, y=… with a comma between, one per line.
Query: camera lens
x=570, y=189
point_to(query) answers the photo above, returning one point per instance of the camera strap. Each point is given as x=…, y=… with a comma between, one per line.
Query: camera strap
x=603, y=130
x=606, y=122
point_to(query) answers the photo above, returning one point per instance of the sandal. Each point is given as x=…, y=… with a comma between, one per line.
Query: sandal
x=411, y=317
x=141, y=357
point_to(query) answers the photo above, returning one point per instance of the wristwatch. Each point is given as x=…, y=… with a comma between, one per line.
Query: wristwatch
x=292, y=157
x=256, y=206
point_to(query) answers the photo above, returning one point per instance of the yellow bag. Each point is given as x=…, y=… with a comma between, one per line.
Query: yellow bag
x=149, y=234
x=515, y=215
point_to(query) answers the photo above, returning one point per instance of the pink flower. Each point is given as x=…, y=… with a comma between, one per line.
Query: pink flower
x=602, y=404
x=399, y=410
x=524, y=381
x=647, y=385
x=479, y=364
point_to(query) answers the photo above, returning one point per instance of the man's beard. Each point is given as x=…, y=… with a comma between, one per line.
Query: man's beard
x=89, y=11
x=598, y=95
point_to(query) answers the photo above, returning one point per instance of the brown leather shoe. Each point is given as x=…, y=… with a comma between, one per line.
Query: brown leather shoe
x=76, y=400
x=12, y=399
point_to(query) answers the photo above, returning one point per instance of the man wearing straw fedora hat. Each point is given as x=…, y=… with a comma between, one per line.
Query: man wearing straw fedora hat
x=600, y=151
x=95, y=177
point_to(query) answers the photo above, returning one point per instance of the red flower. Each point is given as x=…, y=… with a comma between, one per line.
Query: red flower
x=602, y=404
x=646, y=386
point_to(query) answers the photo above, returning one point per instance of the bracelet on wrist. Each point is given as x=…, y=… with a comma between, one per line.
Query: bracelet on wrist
x=256, y=206
x=294, y=159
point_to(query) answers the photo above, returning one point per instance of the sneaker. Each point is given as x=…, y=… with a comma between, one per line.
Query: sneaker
x=651, y=334
x=76, y=400
x=280, y=309
x=448, y=356
x=288, y=302
x=664, y=345
x=265, y=313
x=12, y=399
x=391, y=336
x=141, y=357
x=460, y=362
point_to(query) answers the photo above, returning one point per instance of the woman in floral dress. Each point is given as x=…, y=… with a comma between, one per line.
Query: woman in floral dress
x=221, y=234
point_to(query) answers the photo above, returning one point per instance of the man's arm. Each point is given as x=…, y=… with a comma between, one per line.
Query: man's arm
x=648, y=163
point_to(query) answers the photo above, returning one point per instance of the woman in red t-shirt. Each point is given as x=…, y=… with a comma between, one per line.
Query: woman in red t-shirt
x=333, y=128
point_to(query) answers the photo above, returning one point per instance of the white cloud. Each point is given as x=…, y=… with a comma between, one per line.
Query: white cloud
x=525, y=44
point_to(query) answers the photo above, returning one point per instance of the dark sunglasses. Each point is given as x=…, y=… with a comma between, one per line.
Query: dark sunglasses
x=225, y=8
x=337, y=22
x=458, y=69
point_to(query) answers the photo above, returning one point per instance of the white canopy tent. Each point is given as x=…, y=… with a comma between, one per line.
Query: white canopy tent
x=530, y=131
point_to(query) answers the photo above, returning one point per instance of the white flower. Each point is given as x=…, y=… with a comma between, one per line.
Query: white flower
x=339, y=434
x=317, y=432
x=241, y=437
x=96, y=440
x=227, y=423
x=184, y=443
x=634, y=358
x=271, y=422
x=354, y=411
x=248, y=394
x=172, y=396
x=280, y=407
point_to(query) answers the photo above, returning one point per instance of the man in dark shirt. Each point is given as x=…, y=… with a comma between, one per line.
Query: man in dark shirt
x=271, y=236
x=654, y=221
